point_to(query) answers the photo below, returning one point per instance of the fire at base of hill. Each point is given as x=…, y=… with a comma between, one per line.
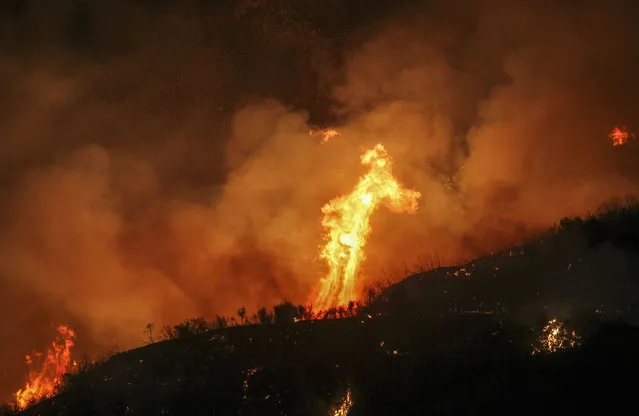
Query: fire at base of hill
x=45, y=379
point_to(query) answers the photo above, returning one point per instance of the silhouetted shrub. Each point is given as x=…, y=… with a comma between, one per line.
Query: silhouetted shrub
x=264, y=317
x=305, y=312
x=149, y=333
x=352, y=308
x=241, y=313
x=8, y=410
x=373, y=291
x=285, y=313
x=189, y=328
x=80, y=377
x=221, y=322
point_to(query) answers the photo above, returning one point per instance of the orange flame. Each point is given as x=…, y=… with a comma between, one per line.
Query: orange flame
x=327, y=134
x=345, y=406
x=620, y=135
x=44, y=382
x=556, y=337
x=347, y=224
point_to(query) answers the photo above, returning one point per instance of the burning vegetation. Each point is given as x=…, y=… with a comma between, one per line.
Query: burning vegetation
x=620, y=136
x=289, y=358
x=115, y=220
x=345, y=406
x=46, y=378
x=346, y=221
x=555, y=337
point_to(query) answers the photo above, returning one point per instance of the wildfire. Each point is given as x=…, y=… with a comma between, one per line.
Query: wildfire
x=346, y=221
x=327, y=134
x=44, y=382
x=555, y=337
x=345, y=406
x=620, y=136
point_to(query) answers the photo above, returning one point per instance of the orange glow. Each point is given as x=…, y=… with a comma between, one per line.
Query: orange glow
x=346, y=221
x=555, y=337
x=620, y=136
x=345, y=406
x=45, y=381
x=327, y=134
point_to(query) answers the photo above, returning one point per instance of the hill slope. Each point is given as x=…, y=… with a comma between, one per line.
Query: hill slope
x=447, y=341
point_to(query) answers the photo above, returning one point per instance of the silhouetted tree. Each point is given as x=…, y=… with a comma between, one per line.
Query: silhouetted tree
x=221, y=321
x=263, y=316
x=285, y=313
x=242, y=315
x=8, y=410
x=351, y=308
x=371, y=295
x=305, y=312
x=331, y=313
x=149, y=332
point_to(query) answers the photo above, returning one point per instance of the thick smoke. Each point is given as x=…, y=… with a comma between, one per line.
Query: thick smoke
x=156, y=162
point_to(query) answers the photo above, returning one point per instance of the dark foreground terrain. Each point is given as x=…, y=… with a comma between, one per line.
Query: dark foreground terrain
x=446, y=341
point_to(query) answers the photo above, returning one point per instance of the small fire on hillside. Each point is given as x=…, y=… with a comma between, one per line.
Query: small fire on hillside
x=346, y=221
x=620, y=136
x=45, y=380
x=555, y=337
x=345, y=406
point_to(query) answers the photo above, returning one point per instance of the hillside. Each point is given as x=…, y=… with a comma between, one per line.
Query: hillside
x=453, y=340
x=575, y=269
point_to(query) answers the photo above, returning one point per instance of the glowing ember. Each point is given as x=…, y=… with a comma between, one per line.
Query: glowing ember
x=44, y=382
x=620, y=135
x=346, y=221
x=555, y=337
x=345, y=406
x=327, y=134
x=250, y=373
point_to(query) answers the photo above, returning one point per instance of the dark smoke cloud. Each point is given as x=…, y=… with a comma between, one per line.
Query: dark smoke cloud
x=156, y=162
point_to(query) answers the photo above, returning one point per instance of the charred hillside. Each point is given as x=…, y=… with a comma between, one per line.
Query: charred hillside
x=446, y=341
x=579, y=267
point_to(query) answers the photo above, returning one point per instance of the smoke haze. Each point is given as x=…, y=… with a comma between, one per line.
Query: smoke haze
x=156, y=162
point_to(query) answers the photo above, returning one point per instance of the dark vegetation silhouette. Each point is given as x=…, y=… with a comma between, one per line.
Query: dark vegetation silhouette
x=445, y=340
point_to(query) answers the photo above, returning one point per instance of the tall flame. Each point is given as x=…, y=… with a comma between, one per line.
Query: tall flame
x=45, y=381
x=346, y=222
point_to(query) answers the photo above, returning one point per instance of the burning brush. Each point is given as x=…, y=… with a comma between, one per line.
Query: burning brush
x=555, y=337
x=620, y=136
x=347, y=224
x=45, y=381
